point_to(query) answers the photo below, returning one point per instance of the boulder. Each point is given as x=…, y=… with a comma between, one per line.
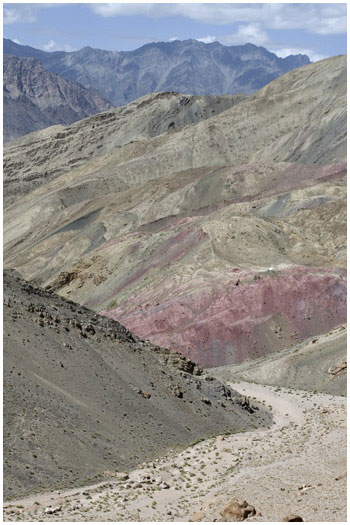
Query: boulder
x=237, y=511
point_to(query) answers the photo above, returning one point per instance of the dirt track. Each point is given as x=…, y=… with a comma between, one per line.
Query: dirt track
x=291, y=468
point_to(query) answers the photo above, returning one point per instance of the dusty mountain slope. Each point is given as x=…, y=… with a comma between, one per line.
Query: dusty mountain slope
x=318, y=364
x=186, y=66
x=34, y=98
x=300, y=117
x=218, y=259
x=83, y=395
x=35, y=159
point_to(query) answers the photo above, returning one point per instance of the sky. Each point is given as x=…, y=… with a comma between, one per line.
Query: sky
x=318, y=30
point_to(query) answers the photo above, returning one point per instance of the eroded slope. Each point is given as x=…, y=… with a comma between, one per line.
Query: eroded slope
x=38, y=157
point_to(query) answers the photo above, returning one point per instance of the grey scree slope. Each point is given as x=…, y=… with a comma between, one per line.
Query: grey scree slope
x=82, y=395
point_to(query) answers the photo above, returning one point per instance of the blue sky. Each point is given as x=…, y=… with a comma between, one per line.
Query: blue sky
x=318, y=30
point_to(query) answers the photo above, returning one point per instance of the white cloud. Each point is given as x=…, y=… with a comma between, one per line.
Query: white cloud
x=324, y=19
x=173, y=39
x=207, y=39
x=329, y=26
x=16, y=41
x=252, y=33
x=12, y=15
x=286, y=51
x=52, y=46
x=107, y=10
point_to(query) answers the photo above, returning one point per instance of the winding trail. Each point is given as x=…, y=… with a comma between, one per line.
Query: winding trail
x=297, y=466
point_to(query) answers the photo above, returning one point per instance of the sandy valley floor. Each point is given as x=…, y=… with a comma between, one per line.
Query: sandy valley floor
x=296, y=467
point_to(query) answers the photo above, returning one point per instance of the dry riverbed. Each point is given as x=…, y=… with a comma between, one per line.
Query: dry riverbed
x=297, y=466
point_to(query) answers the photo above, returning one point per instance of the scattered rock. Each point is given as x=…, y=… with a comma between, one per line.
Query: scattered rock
x=144, y=477
x=197, y=516
x=143, y=394
x=63, y=279
x=340, y=476
x=245, y=403
x=177, y=391
x=293, y=517
x=122, y=476
x=305, y=487
x=52, y=510
x=338, y=368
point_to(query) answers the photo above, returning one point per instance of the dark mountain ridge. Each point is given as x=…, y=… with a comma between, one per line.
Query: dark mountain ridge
x=185, y=66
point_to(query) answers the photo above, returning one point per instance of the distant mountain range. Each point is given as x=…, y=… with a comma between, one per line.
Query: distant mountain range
x=35, y=98
x=188, y=66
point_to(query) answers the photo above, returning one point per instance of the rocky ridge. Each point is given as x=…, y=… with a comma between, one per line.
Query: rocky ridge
x=35, y=98
x=185, y=66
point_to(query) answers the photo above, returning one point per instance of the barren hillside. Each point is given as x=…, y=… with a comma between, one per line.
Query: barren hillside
x=224, y=239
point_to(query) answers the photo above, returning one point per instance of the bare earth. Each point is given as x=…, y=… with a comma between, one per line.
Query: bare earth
x=298, y=466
